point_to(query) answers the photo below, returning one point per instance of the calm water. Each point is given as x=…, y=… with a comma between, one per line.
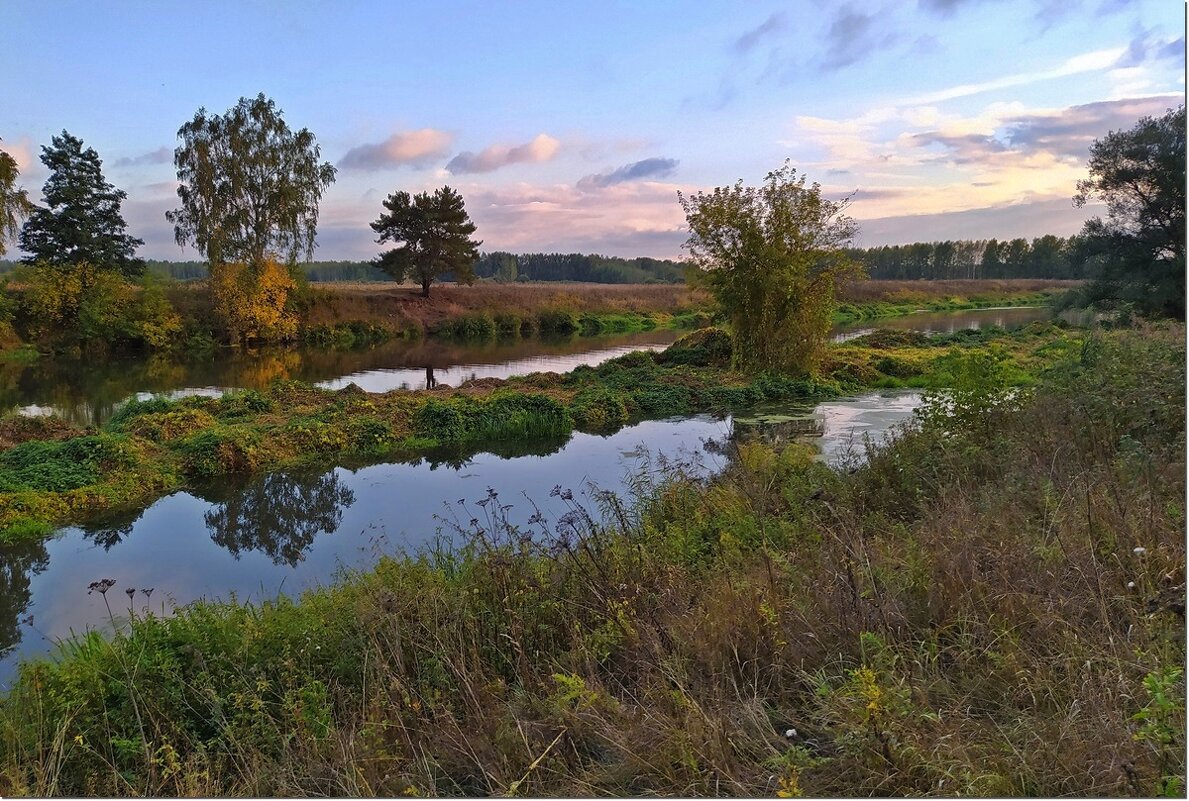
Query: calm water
x=292, y=530
x=88, y=391
x=947, y=322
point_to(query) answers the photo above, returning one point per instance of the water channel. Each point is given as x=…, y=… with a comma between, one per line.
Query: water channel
x=291, y=530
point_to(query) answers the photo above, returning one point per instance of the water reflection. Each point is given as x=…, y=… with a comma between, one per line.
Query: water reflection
x=19, y=563
x=278, y=514
x=87, y=391
x=930, y=322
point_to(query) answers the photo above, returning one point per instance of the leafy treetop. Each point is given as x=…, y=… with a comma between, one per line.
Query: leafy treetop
x=249, y=186
x=772, y=256
x=1140, y=175
x=14, y=202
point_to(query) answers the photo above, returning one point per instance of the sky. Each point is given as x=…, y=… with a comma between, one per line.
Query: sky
x=572, y=126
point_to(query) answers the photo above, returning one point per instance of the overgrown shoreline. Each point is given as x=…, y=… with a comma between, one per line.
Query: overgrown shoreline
x=53, y=474
x=991, y=605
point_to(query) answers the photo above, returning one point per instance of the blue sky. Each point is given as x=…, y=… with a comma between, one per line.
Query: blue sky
x=572, y=126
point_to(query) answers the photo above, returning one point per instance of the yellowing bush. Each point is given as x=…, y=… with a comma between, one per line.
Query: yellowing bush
x=251, y=301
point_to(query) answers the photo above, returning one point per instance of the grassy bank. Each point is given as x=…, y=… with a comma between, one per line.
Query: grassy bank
x=992, y=605
x=150, y=448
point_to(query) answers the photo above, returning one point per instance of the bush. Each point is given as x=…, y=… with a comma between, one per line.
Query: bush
x=60, y=466
x=703, y=348
x=251, y=303
x=473, y=326
x=556, y=321
x=598, y=409
x=219, y=451
x=498, y=416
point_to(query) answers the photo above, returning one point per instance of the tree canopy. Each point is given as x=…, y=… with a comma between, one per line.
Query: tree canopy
x=433, y=234
x=81, y=221
x=1140, y=246
x=249, y=186
x=14, y=202
x=772, y=256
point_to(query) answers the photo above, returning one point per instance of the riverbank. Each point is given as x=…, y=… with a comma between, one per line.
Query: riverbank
x=551, y=307
x=992, y=605
x=53, y=473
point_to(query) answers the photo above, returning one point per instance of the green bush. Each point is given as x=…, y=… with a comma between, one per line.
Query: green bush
x=556, y=321
x=215, y=452
x=598, y=409
x=473, y=326
x=61, y=466
x=703, y=348
x=499, y=416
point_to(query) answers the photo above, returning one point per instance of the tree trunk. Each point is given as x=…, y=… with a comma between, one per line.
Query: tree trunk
x=425, y=289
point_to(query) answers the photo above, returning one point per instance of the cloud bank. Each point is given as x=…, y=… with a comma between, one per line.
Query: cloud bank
x=162, y=155
x=542, y=148
x=406, y=148
x=637, y=170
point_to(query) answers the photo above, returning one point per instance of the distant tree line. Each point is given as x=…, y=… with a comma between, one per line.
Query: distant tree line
x=578, y=267
x=1044, y=257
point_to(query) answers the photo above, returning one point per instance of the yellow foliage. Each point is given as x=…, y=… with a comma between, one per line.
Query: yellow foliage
x=250, y=300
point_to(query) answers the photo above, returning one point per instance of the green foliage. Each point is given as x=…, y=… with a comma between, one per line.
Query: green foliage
x=507, y=267
x=433, y=237
x=14, y=202
x=81, y=304
x=772, y=257
x=278, y=181
x=218, y=451
x=598, y=409
x=704, y=348
x=347, y=335
x=81, y=221
x=476, y=326
x=61, y=466
x=1139, y=249
x=501, y=415
x=556, y=321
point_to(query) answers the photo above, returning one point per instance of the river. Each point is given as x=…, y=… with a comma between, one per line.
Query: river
x=292, y=530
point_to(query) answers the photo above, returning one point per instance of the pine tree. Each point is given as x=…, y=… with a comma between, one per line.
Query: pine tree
x=434, y=235
x=81, y=221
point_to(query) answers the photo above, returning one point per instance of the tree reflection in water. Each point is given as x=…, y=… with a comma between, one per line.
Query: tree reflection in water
x=19, y=562
x=279, y=514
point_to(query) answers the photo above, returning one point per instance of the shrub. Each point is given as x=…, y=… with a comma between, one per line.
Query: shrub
x=598, y=409
x=556, y=321
x=251, y=302
x=168, y=426
x=473, y=326
x=704, y=348
x=60, y=466
x=214, y=452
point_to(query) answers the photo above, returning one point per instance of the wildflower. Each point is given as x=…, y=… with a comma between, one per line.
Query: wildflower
x=130, y=592
x=1139, y=550
x=1131, y=585
x=101, y=586
x=148, y=591
x=791, y=734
